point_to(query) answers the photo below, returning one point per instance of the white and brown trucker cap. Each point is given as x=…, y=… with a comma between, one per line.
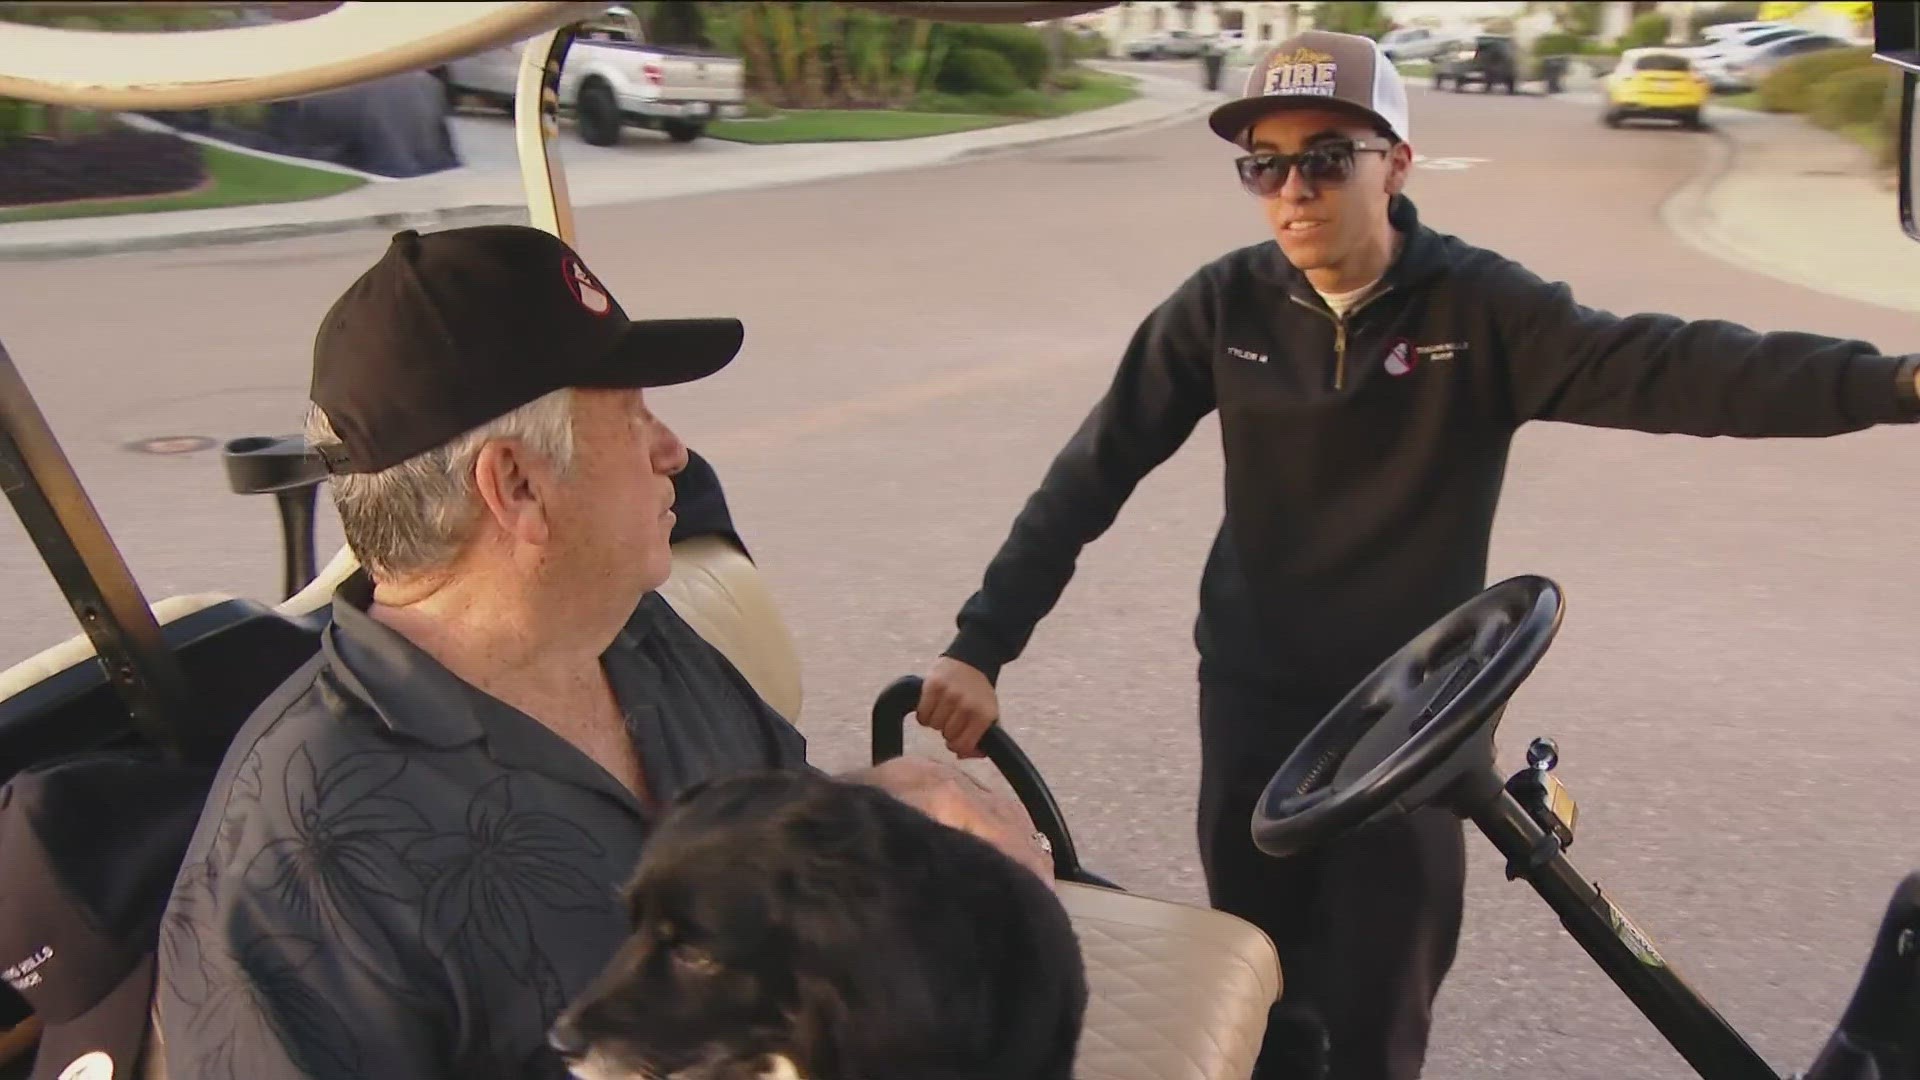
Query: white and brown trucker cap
x=1318, y=69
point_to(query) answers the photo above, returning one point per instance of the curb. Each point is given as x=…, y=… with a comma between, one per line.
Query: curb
x=1131, y=127
x=449, y=217
x=1688, y=214
x=246, y=234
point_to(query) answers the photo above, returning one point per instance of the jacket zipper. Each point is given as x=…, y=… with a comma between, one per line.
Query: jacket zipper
x=1339, y=332
x=1339, y=340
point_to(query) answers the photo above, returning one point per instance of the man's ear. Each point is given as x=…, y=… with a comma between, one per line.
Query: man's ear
x=1399, y=167
x=516, y=490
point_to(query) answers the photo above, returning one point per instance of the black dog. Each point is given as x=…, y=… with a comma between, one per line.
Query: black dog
x=791, y=925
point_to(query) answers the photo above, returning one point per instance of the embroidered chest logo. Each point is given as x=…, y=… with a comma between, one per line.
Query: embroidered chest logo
x=1403, y=356
x=1400, y=358
x=1303, y=71
x=1245, y=354
x=1443, y=351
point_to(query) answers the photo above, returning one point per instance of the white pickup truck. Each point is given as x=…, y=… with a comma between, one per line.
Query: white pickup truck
x=613, y=78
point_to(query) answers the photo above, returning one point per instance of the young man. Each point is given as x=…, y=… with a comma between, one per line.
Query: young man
x=1370, y=374
x=413, y=853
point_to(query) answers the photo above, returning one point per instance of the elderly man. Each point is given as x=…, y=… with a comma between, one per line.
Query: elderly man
x=412, y=857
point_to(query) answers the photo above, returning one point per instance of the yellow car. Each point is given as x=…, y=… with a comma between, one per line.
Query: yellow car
x=1654, y=82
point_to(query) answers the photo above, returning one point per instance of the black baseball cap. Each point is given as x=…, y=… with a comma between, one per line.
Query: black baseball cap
x=452, y=329
x=89, y=848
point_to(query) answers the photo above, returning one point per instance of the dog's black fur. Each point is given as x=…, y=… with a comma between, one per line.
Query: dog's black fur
x=787, y=913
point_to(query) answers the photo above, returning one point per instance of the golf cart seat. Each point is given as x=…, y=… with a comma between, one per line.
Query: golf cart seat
x=234, y=652
x=51, y=661
x=713, y=586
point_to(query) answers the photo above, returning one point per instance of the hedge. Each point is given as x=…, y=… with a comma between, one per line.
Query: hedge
x=1855, y=96
x=1023, y=47
x=973, y=70
x=1843, y=90
x=1791, y=85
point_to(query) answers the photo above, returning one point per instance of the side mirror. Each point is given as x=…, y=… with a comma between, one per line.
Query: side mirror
x=1896, y=40
x=1909, y=152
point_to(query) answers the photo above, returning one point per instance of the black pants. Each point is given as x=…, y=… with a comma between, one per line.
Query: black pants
x=1366, y=927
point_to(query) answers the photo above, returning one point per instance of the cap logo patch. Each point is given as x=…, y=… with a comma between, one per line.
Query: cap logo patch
x=1303, y=71
x=586, y=288
x=93, y=1066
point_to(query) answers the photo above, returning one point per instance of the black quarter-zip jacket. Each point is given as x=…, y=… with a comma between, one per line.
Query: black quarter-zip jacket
x=1365, y=455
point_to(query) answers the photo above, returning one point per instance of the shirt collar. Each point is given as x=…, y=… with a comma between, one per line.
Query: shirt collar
x=416, y=697
x=413, y=694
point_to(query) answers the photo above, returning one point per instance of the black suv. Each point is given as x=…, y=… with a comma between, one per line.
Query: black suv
x=1489, y=59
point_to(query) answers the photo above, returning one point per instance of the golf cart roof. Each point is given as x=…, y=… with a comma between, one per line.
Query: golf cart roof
x=354, y=42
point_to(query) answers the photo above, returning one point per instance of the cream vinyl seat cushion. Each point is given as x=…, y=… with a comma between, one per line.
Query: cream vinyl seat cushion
x=1177, y=992
x=714, y=586
x=53, y=660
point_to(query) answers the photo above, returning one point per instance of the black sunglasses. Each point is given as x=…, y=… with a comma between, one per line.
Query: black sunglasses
x=1265, y=173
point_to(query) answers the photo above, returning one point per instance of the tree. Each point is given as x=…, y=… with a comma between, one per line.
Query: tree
x=1352, y=17
x=1581, y=19
x=679, y=22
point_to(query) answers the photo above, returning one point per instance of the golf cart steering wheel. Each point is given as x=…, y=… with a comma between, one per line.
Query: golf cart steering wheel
x=1401, y=737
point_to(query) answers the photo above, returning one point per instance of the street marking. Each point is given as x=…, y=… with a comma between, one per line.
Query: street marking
x=1447, y=164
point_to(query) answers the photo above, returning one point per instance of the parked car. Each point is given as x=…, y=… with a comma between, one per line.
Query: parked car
x=1488, y=59
x=1751, y=68
x=1171, y=43
x=1412, y=43
x=1656, y=83
x=1713, y=61
x=614, y=79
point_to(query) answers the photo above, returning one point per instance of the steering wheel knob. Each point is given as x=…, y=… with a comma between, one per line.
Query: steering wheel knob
x=1543, y=754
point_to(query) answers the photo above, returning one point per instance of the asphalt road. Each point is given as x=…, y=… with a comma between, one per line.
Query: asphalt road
x=1734, y=690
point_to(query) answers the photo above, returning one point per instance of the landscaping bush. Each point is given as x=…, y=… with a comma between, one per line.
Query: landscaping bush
x=1558, y=43
x=971, y=70
x=1790, y=87
x=1646, y=30
x=115, y=163
x=1855, y=96
x=1022, y=47
x=1888, y=135
x=17, y=118
x=1087, y=45
x=1720, y=14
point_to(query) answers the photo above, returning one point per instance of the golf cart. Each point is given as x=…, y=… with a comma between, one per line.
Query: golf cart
x=1178, y=991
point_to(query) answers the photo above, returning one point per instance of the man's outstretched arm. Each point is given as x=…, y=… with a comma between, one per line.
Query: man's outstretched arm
x=1663, y=374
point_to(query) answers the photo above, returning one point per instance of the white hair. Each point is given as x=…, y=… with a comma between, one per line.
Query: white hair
x=417, y=516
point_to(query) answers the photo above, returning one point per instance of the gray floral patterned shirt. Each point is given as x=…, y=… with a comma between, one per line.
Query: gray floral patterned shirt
x=398, y=876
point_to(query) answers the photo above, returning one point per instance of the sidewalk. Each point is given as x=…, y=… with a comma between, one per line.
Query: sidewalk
x=488, y=187
x=1785, y=198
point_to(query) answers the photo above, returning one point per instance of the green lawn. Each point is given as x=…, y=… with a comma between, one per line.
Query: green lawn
x=237, y=180
x=1097, y=90
x=932, y=114
x=848, y=125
